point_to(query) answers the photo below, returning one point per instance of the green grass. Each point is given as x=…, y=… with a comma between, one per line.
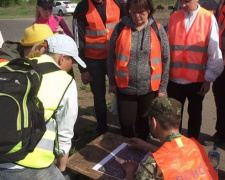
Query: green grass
x=72, y=151
x=27, y=10
x=87, y=88
x=16, y=11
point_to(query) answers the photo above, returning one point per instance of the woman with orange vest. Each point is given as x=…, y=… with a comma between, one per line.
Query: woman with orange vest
x=179, y=157
x=138, y=66
x=196, y=59
x=219, y=85
x=94, y=21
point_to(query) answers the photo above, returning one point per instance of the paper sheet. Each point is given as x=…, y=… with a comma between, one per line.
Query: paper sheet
x=111, y=166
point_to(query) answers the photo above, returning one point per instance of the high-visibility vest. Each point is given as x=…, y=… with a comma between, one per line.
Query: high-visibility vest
x=221, y=24
x=184, y=158
x=97, y=35
x=122, y=50
x=52, y=89
x=189, y=50
x=221, y=20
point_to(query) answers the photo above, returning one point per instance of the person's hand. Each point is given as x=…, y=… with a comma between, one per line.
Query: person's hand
x=130, y=167
x=205, y=88
x=138, y=143
x=160, y=94
x=59, y=30
x=86, y=77
x=113, y=89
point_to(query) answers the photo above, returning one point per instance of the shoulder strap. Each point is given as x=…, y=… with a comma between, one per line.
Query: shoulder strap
x=24, y=62
x=58, y=21
x=47, y=67
x=120, y=28
x=155, y=28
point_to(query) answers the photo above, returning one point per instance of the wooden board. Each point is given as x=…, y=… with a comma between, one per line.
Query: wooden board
x=83, y=161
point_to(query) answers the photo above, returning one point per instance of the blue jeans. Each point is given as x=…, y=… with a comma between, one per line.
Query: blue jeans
x=50, y=173
x=97, y=70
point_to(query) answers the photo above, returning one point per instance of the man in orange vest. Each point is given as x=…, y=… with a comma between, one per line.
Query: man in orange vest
x=94, y=20
x=179, y=157
x=219, y=84
x=196, y=59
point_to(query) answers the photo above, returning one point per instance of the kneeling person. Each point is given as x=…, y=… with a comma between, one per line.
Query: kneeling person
x=179, y=157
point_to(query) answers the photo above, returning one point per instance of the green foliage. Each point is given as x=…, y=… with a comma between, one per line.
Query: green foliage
x=7, y=3
x=81, y=98
x=18, y=11
x=108, y=104
x=87, y=87
x=26, y=8
x=72, y=151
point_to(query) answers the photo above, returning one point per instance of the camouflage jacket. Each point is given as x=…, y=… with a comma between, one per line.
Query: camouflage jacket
x=149, y=170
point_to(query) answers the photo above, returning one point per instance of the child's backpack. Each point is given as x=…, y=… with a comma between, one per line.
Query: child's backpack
x=22, y=122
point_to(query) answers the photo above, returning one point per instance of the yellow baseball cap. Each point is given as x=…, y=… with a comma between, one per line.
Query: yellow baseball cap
x=36, y=33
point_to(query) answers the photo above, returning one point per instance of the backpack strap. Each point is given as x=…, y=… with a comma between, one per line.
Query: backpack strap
x=120, y=28
x=155, y=28
x=47, y=67
x=23, y=62
x=58, y=21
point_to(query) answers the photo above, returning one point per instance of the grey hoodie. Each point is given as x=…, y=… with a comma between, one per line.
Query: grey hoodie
x=138, y=66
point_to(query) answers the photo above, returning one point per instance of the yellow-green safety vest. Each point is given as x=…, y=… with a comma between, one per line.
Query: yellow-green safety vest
x=52, y=89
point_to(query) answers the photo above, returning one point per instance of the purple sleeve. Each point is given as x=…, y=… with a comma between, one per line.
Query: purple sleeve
x=65, y=27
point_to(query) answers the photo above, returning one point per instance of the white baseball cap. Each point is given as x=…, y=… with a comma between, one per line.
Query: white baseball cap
x=63, y=44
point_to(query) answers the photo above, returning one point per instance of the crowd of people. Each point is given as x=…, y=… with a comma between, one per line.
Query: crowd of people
x=151, y=72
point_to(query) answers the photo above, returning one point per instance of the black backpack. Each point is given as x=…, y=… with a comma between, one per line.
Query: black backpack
x=22, y=122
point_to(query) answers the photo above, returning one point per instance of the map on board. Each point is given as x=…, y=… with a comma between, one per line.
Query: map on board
x=111, y=166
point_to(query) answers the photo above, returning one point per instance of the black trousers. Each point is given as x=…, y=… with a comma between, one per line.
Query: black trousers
x=97, y=70
x=190, y=91
x=219, y=94
x=133, y=114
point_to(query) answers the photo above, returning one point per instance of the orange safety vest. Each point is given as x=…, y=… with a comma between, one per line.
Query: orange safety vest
x=189, y=50
x=122, y=50
x=221, y=20
x=97, y=35
x=221, y=24
x=184, y=158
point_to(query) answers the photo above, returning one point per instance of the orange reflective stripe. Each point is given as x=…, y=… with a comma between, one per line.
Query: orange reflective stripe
x=3, y=60
x=189, y=50
x=97, y=34
x=184, y=158
x=122, y=50
x=156, y=62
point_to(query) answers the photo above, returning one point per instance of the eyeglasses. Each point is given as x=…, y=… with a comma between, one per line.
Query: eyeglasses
x=139, y=12
x=47, y=8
